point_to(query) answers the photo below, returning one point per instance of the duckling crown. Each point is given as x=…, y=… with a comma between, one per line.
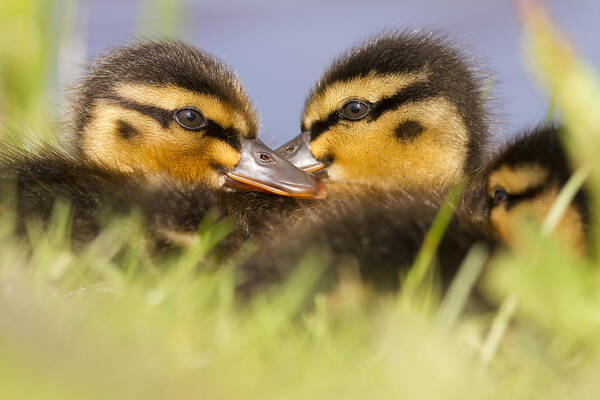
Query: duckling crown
x=542, y=147
x=160, y=63
x=440, y=69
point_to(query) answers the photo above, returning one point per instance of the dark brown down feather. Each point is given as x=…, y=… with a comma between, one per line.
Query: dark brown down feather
x=382, y=235
x=96, y=196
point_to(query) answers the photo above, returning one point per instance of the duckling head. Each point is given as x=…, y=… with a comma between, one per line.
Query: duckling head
x=524, y=181
x=166, y=108
x=403, y=110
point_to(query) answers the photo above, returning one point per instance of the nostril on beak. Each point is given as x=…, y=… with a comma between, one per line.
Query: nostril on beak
x=265, y=157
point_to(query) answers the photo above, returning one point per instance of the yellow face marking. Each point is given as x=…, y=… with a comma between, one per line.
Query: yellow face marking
x=368, y=152
x=516, y=179
x=171, y=97
x=175, y=151
x=372, y=88
x=570, y=229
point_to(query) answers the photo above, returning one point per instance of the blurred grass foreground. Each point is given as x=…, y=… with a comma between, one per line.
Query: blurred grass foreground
x=83, y=325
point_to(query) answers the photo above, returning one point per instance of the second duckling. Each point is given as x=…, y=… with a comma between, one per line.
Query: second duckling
x=400, y=111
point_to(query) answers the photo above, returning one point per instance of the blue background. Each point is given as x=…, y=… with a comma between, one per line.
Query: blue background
x=279, y=48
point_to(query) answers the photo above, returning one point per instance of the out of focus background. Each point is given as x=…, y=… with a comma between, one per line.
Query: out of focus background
x=279, y=48
x=109, y=321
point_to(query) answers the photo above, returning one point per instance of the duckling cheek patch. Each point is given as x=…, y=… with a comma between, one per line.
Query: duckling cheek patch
x=408, y=130
x=570, y=229
x=501, y=223
x=126, y=130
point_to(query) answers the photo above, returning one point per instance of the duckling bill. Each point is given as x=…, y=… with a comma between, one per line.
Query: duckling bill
x=297, y=151
x=261, y=169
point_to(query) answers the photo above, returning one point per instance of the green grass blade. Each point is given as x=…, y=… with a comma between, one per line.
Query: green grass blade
x=462, y=286
x=564, y=199
x=422, y=265
x=498, y=329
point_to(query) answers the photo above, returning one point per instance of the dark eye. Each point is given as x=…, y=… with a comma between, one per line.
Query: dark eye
x=499, y=196
x=354, y=110
x=289, y=149
x=190, y=118
x=264, y=157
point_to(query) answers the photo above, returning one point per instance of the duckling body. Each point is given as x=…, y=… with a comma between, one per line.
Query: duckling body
x=172, y=211
x=154, y=123
x=378, y=235
x=38, y=181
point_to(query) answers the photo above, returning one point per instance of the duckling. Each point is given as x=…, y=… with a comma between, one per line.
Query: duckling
x=378, y=237
x=381, y=235
x=400, y=111
x=167, y=108
x=397, y=116
x=525, y=179
x=145, y=114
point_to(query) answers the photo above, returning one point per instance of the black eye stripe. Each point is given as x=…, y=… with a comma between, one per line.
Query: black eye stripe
x=531, y=193
x=229, y=135
x=162, y=116
x=328, y=159
x=320, y=126
x=416, y=92
x=165, y=117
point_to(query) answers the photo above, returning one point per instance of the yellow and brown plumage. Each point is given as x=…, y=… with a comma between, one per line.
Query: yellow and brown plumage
x=164, y=108
x=525, y=178
x=379, y=236
x=125, y=108
x=163, y=118
x=405, y=111
x=393, y=124
x=402, y=110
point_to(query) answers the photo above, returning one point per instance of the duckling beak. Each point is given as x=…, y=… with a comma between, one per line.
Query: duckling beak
x=261, y=169
x=297, y=151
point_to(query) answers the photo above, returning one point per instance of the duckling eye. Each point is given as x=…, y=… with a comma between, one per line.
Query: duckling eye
x=354, y=110
x=190, y=118
x=499, y=196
